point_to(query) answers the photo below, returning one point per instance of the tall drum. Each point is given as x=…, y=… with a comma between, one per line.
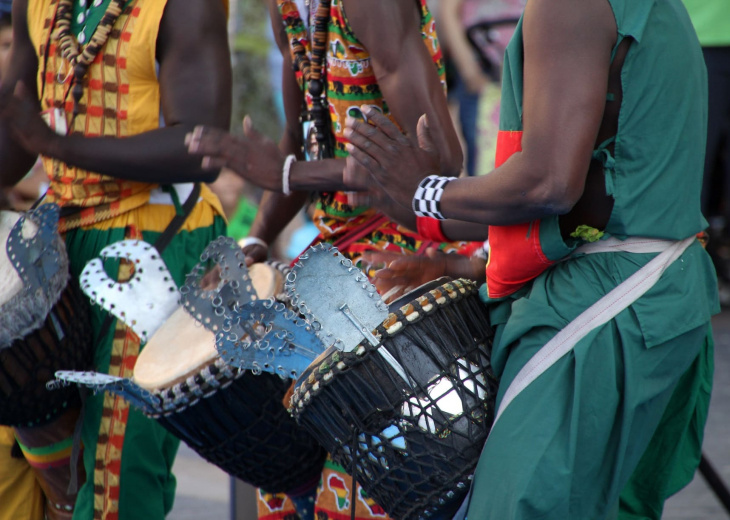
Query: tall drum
x=410, y=426
x=44, y=323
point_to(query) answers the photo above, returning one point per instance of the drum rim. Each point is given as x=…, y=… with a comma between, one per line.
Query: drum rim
x=413, y=312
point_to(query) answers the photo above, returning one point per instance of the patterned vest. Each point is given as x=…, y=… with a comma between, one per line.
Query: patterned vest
x=121, y=98
x=351, y=83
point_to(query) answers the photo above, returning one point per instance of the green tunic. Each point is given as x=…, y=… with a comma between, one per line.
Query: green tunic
x=568, y=445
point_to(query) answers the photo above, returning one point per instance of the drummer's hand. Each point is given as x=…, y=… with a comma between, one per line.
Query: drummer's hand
x=389, y=156
x=255, y=254
x=20, y=110
x=400, y=274
x=253, y=157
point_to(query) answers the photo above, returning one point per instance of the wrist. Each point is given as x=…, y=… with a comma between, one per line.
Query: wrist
x=286, y=173
x=430, y=229
x=427, y=198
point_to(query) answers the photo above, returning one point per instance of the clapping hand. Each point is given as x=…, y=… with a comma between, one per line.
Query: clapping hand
x=392, y=160
x=253, y=157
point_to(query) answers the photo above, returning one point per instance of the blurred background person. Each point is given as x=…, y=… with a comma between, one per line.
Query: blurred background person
x=475, y=34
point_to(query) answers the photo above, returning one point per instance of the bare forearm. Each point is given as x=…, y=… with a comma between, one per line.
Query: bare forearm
x=158, y=156
x=324, y=175
x=461, y=230
x=274, y=213
x=455, y=39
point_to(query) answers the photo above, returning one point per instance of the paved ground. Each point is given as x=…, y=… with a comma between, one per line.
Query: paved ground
x=204, y=490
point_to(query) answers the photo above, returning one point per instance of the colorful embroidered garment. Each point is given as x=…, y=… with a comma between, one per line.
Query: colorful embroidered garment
x=351, y=83
x=127, y=457
x=121, y=98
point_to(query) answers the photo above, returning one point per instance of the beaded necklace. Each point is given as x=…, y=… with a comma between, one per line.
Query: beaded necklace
x=86, y=17
x=312, y=71
x=69, y=45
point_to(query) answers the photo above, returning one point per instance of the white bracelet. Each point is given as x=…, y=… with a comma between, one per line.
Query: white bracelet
x=252, y=241
x=427, y=199
x=290, y=159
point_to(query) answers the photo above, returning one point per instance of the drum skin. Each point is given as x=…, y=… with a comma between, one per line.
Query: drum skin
x=411, y=444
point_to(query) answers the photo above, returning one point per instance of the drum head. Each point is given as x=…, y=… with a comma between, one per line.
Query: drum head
x=267, y=281
x=179, y=348
x=10, y=282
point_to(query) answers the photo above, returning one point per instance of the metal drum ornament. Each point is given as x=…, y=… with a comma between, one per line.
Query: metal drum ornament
x=232, y=417
x=44, y=319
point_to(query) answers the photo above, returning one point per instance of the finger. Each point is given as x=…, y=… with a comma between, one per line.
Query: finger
x=248, y=129
x=369, y=138
x=212, y=163
x=210, y=141
x=356, y=198
x=365, y=160
x=195, y=137
x=393, y=294
x=432, y=252
x=20, y=91
x=354, y=177
x=425, y=140
x=376, y=117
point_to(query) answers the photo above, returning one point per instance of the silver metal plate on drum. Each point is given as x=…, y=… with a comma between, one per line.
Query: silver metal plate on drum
x=38, y=255
x=145, y=301
x=34, y=256
x=123, y=387
x=265, y=335
x=211, y=307
x=328, y=289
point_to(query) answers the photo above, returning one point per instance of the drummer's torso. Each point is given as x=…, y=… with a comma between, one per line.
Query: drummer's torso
x=121, y=94
x=654, y=172
x=350, y=84
x=652, y=166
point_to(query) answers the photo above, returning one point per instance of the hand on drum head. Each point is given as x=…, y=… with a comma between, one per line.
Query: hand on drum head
x=398, y=274
x=253, y=157
x=255, y=253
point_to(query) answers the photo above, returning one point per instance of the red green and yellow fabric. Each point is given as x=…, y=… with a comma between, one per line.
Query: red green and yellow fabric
x=127, y=457
x=351, y=83
x=631, y=399
x=20, y=495
x=121, y=99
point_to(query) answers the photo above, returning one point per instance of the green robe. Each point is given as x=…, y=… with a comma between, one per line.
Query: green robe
x=632, y=397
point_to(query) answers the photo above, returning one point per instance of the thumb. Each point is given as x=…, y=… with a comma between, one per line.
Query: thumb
x=425, y=141
x=20, y=90
x=432, y=252
x=248, y=129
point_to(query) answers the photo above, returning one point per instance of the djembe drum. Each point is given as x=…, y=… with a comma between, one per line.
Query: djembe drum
x=410, y=430
x=232, y=418
x=44, y=327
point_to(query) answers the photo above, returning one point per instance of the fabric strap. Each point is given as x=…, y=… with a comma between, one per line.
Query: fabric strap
x=601, y=312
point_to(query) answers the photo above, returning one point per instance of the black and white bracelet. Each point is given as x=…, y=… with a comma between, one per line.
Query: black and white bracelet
x=427, y=199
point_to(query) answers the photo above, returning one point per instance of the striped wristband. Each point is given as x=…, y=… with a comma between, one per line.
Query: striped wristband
x=427, y=199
